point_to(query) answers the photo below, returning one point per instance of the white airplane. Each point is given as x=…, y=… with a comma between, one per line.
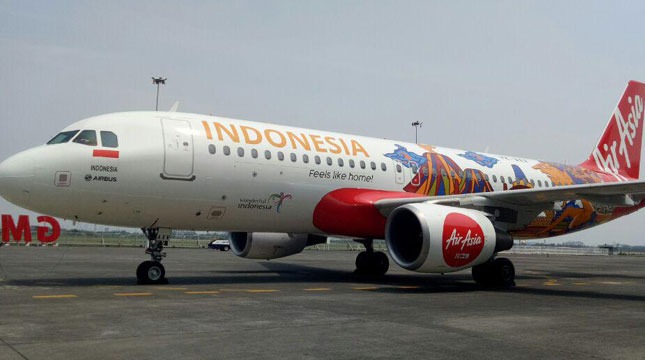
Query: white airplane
x=277, y=189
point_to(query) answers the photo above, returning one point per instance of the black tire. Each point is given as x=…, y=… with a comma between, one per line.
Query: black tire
x=151, y=272
x=379, y=263
x=503, y=272
x=482, y=274
x=226, y=248
x=362, y=262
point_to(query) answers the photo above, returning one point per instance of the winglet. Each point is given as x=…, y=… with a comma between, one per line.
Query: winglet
x=174, y=107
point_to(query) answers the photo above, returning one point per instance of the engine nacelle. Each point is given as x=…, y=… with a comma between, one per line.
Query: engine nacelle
x=271, y=245
x=436, y=238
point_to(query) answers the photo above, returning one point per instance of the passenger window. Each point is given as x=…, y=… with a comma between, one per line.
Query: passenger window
x=329, y=162
x=254, y=153
x=109, y=139
x=494, y=178
x=227, y=150
x=280, y=155
x=552, y=183
x=415, y=169
x=469, y=175
x=546, y=184
x=461, y=174
x=510, y=181
x=317, y=159
x=211, y=149
x=240, y=152
x=351, y=163
x=398, y=168
x=267, y=154
x=63, y=137
x=532, y=182
x=341, y=162
x=294, y=158
x=383, y=167
x=540, y=183
x=478, y=176
x=373, y=165
x=362, y=164
x=86, y=137
x=503, y=179
x=486, y=177
x=305, y=158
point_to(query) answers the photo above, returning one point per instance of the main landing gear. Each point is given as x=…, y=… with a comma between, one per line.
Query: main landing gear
x=151, y=271
x=499, y=273
x=370, y=262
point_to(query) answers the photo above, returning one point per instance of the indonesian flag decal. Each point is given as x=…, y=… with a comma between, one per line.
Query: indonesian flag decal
x=114, y=154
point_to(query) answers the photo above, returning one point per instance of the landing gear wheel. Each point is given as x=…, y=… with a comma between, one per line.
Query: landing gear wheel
x=151, y=272
x=498, y=273
x=372, y=263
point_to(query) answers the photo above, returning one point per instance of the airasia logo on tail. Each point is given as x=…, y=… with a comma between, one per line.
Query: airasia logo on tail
x=21, y=230
x=463, y=240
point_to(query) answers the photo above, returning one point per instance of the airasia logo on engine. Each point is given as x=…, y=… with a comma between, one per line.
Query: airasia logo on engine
x=463, y=240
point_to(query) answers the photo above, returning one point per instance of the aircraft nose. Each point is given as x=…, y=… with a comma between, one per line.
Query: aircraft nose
x=16, y=178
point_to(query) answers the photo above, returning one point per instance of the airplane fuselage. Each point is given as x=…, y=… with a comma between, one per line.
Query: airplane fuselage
x=188, y=171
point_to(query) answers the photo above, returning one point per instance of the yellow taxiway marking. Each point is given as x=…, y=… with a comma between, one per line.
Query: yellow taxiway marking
x=201, y=292
x=580, y=283
x=171, y=288
x=551, y=283
x=318, y=289
x=261, y=290
x=134, y=294
x=611, y=282
x=54, y=296
x=366, y=288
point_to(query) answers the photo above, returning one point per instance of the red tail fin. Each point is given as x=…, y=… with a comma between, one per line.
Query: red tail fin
x=619, y=150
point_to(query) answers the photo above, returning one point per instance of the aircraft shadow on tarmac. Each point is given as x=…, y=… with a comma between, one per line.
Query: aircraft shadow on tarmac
x=283, y=273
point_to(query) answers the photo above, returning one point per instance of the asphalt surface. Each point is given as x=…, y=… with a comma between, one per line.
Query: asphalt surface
x=74, y=302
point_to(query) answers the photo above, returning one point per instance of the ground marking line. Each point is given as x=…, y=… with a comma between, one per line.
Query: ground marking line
x=54, y=296
x=317, y=289
x=367, y=288
x=201, y=292
x=133, y=294
x=409, y=287
x=580, y=283
x=261, y=290
x=171, y=288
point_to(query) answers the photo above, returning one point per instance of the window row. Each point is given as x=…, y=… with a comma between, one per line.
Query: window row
x=363, y=165
x=304, y=158
x=86, y=137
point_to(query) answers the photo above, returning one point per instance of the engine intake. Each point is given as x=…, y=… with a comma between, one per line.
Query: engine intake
x=271, y=245
x=437, y=238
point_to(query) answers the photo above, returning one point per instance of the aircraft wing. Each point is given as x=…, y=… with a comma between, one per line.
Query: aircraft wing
x=611, y=193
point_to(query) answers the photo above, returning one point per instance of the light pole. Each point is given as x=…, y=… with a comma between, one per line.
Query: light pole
x=158, y=81
x=416, y=125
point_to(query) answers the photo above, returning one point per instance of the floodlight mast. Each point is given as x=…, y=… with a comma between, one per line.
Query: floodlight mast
x=158, y=81
x=416, y=125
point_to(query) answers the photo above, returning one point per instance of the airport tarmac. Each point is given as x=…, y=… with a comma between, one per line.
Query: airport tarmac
x=76, y=302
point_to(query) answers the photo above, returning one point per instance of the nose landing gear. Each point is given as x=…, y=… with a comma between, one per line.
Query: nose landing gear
x=151, y=271
x=370, y=262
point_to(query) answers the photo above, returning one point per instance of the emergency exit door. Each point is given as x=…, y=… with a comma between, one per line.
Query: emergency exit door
x=178, y=150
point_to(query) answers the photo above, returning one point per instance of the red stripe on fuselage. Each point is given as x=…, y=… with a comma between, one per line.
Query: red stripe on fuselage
x=106, y=154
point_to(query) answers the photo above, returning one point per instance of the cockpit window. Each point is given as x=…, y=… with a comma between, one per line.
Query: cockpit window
x=86, y=137
x=109, y=139
x=63, y=137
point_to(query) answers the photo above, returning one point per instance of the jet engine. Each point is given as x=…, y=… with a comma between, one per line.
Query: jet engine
x=271, y=245
x=434, y=238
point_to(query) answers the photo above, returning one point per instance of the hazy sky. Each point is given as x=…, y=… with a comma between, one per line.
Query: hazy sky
x=532, y=79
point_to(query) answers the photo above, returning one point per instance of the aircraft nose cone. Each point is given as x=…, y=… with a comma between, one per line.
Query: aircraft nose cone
x=16, y=178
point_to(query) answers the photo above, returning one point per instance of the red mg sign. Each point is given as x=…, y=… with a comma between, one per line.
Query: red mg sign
x=21, y=230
